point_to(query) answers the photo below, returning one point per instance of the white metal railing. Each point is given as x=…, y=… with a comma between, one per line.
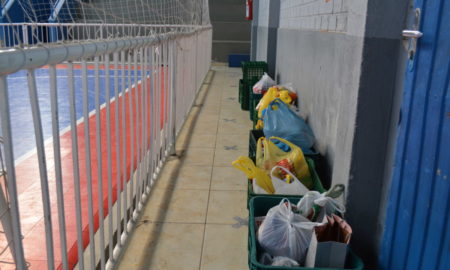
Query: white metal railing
x=149, y=84
x=29, y=34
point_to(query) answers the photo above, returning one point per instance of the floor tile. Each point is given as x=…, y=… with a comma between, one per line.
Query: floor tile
x=228, y=178
x=164, y=246
x=176, y=205
x=225, y=247
x=227, y=207
x=206, y=126
x=198, y=156
x=225, y=156
x=185, y=177
x=224, y=140
x=200, y=139
x=234, y=125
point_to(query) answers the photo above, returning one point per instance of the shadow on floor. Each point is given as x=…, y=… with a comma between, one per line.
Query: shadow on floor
x=179, y=159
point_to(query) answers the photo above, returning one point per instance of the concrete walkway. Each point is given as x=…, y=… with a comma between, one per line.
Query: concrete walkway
x=196, y=217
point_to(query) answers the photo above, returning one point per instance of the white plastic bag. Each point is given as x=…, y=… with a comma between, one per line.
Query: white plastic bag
x=267, y=259
x=263, y=84
x=311, y=198
x=283, y=261
x=284, y=233
x=257, y=189
x=282, y=187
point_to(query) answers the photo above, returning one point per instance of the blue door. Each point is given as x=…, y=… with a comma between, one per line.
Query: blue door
x=417, y=227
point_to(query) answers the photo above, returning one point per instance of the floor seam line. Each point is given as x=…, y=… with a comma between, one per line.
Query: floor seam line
x=210, y=182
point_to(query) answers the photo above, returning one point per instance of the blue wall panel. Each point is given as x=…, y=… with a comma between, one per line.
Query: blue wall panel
x=417, y=222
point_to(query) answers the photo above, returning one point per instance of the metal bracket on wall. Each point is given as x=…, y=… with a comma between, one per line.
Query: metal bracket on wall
x=410, y=37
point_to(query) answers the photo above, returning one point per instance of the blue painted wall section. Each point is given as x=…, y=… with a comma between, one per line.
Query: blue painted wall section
x=417, y=229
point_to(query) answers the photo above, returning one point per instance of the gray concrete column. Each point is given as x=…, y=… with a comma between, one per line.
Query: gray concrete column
x=254, y=34
x=274, y=22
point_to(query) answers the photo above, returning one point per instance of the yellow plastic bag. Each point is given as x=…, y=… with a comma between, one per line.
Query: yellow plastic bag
x=272, y=94
x=262, y=179
x=268, y=155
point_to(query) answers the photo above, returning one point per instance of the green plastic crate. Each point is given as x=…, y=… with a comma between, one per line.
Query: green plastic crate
x=254, y=100
x=314, y=176
x=255, y=117
x=242, y=85
x=255, y=134
x=253, y=69
x=243, y=95
x=253, y=97
x=259, y=206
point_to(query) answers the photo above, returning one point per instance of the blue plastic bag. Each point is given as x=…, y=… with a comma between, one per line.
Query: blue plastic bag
x=280, y=121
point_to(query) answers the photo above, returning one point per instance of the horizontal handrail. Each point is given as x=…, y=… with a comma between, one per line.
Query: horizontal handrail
x=14, y=59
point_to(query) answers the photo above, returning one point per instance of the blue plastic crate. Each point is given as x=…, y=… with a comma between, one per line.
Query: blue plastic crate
x=234, y=60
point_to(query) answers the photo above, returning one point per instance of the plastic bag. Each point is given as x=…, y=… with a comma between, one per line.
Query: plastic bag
x=284, y=233
x=264, y=84
x=266, y=259
x=268, y=155
x=283, y=261
x=272, y=94
x=280, y=121
x=260, y=177
x=312, y=198
x=289, y=186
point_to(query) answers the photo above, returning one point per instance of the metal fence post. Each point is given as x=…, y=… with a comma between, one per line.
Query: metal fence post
x=11, y=183
x=174, y=98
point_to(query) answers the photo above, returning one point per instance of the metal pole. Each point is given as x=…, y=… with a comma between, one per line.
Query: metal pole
x=36, y=114
x=109, y=155
x=75, y=164
x=117, y=132
x=57, y=160
x=87, y=142
x=98, y=136
x=10, y=169
x=174, y=97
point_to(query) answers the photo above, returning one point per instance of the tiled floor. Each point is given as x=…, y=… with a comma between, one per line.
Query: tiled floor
x=196, y=217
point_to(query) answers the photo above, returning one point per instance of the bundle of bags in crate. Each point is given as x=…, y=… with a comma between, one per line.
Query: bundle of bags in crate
x=310, y=233
x=277, y=170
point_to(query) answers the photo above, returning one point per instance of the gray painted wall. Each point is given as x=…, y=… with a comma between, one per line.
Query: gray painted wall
x=345, y=59
x=231, y=32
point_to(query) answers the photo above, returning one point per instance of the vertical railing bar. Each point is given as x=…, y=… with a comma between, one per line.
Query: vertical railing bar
x=124, y=138
x=109, y=154
x=133, y=90
x=164, y=83
x=117, y=132
x=131, y=128
x=144, y=122
x=174, y=96
x=168, y=98
x=98, y=136
x=87, y=143
x=158, y=105
x=153, y=123
x=157, y=124
x=37, y=123
x=18, y=253
x=150, y=116
x=57, y=161
x=140, y=127
x=75, y=164
x=146, y=126
x=140, y=123
x=169, y=87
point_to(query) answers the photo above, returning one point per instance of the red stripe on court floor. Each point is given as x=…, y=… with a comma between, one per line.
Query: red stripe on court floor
x=30, y=200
